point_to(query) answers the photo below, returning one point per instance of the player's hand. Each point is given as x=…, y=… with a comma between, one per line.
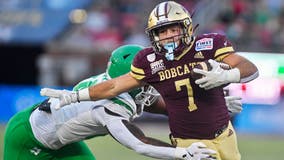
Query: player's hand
x=199, y=150
x=65, y=97
x=234, y=104
x=217, y=76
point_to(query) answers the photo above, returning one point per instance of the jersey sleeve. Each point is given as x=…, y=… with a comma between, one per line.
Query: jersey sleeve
x=222, y=46
x=141, y=65
x=137, y=69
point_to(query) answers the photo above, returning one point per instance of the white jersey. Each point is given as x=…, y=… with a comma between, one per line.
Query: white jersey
x=79, y=121
x=74, y=122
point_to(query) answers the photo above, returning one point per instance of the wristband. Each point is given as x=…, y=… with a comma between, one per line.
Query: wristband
x=249, y=78
x=83, y=95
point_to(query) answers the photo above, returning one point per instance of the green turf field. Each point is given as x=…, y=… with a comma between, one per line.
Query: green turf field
x=252, y=147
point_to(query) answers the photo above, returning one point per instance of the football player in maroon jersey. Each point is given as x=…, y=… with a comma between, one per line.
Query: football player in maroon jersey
x=196, y=108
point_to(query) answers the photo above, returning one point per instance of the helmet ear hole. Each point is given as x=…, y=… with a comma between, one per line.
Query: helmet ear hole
x=125, y=56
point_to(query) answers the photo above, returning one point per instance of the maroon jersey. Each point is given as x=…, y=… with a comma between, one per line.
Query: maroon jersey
x=193, y=112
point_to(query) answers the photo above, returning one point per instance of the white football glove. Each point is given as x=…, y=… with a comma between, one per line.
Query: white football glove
x=65, y=97
x=234, y=104
x=217, y=76
x=196, y=151
x=199, y=150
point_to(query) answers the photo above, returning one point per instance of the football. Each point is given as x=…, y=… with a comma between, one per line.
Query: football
x=205, y=65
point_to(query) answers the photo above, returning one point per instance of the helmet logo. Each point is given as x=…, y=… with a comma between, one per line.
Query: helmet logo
x=186, y=22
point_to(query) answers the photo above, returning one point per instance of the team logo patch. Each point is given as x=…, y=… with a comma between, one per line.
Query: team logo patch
x=151, y=57
x=35, y=151
x=204, y=44
x=157, y=66
x=230, y=133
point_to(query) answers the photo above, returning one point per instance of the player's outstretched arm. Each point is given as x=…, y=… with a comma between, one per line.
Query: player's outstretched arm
x=104, y=90
x=132, y=137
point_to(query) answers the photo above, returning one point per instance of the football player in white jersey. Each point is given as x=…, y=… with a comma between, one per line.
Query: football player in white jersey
x=43, y=132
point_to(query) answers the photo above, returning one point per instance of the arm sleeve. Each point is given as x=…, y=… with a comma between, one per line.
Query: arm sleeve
x=122, y=134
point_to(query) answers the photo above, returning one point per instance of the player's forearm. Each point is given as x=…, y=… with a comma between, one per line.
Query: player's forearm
x=103, y=90
x=248, y=71
x=109, y=88
x=132, y=137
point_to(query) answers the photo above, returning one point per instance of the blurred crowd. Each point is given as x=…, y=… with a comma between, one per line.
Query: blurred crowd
x=252, y=25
